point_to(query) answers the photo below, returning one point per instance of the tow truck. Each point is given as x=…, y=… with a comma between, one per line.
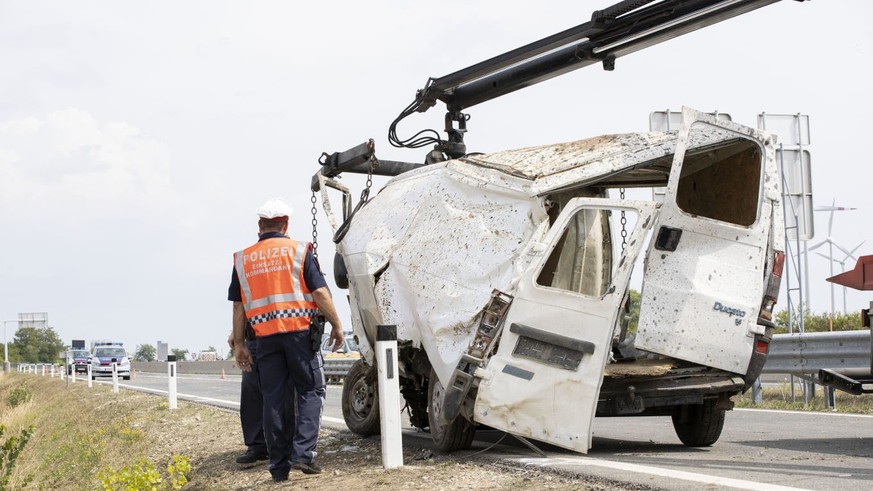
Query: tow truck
x=507, y=275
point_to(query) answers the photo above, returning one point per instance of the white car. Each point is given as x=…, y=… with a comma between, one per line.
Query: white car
x=104, y=356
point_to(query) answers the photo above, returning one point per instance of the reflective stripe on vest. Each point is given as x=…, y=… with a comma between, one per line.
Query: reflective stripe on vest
x=274, y=293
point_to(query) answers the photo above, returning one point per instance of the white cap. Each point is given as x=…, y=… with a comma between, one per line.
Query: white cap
x=274, y=208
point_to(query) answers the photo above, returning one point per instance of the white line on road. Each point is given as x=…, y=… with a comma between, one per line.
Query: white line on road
x=189, y=397
x=806, y=413
x=657, y=471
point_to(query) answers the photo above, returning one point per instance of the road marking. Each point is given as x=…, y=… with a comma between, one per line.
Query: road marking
x=657, y=471
x=189, y=397
x=810, y=413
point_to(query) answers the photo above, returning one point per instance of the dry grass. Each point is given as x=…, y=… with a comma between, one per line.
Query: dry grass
x=81, y=431
x=779, y=397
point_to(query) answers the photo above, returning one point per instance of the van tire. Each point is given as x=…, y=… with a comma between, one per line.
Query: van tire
x=360, y=400
x=699, y=425
x=457, y=435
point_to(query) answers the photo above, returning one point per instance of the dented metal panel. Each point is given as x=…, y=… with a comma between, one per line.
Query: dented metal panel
x=433, y=246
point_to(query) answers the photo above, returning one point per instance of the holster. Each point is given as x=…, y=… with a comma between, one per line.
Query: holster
x=316, y=331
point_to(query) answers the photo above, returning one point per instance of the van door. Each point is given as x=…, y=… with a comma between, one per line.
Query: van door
x=703, y=281
x=543, y=382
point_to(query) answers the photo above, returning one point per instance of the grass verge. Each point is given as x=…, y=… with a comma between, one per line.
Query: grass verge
x=86, y=438
x=779, y=397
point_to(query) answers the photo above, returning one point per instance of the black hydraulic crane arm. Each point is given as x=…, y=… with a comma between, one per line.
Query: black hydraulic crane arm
x=616, y=31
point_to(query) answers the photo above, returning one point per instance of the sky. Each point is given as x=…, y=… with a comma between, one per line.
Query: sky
x=137, y=138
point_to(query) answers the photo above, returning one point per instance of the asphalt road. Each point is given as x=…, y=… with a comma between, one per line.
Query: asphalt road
x=758, y=449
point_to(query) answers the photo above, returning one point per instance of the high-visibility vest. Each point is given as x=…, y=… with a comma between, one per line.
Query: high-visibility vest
x=274, y=294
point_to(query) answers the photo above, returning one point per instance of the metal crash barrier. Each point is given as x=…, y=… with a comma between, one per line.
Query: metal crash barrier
x=840, y=359
x=336, y=369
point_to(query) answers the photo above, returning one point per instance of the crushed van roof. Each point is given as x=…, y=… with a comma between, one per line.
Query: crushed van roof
x=584, y=162
x=643, y=159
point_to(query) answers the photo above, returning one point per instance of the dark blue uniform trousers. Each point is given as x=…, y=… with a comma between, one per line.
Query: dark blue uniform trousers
x=251, y=407
x=280, y=357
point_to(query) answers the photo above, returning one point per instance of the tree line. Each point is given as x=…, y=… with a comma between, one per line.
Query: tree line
x=43, y=345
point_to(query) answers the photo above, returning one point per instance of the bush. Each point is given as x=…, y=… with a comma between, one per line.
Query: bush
x=9, y=452
x=143, y=475
x=18, y=396
x=814, y=322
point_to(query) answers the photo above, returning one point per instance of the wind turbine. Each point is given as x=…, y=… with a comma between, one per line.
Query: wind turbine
x=831, y=243
x=843, y=270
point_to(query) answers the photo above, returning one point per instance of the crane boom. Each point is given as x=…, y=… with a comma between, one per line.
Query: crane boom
x=619, y=30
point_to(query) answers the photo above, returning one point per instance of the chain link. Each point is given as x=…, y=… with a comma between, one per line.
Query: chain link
x=623, y=223
x=370, y=174
x=314, y=227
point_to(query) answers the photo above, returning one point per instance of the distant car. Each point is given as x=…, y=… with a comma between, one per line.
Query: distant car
x=348, y=350
x=78, y=360
x=101, y=362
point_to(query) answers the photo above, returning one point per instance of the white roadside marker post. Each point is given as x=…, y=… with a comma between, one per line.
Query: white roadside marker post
x=90, y=378
x=171, y=378
x=115, y=375
x=73, y=372
x=389, y=396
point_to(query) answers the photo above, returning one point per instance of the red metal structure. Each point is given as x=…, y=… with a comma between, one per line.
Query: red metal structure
x=859, y=278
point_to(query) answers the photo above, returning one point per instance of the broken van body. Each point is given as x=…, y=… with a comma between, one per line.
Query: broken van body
x=508, y=277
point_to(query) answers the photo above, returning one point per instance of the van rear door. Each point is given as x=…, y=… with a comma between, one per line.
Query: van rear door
x=703, y=280
x=544, y=380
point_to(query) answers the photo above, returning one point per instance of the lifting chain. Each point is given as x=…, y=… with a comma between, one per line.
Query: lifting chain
x=623, y=223
x=373, y=163
x=314, y=227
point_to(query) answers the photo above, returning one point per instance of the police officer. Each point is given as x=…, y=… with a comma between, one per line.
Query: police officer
x=251, y=404
x=282, y=292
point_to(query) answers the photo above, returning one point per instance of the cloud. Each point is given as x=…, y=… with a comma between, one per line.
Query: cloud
x=68, y=160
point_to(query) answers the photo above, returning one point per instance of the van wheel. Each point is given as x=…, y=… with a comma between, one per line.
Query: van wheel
x=361, y=399
x=458, y=434
x=698, y=425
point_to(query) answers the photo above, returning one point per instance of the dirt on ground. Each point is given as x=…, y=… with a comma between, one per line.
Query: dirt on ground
x=212, y=440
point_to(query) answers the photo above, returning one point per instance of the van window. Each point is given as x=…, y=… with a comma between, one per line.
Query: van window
x=721, y=181
x=582, y=259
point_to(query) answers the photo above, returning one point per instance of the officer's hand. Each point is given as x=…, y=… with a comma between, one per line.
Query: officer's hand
x=230, y=340
x=337, y=339
x=243, y=358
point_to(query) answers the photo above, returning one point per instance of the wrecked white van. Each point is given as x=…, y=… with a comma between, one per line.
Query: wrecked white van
x=508, y=277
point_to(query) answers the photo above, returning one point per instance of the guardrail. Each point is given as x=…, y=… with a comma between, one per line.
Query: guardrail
x=335, y=369
x=846, y=352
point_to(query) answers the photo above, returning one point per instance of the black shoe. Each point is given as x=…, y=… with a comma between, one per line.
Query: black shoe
x=306, y=468
x=250, y=457
x=280, y=478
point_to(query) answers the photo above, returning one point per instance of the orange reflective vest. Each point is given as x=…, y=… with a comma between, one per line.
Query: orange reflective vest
x=274, y=293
